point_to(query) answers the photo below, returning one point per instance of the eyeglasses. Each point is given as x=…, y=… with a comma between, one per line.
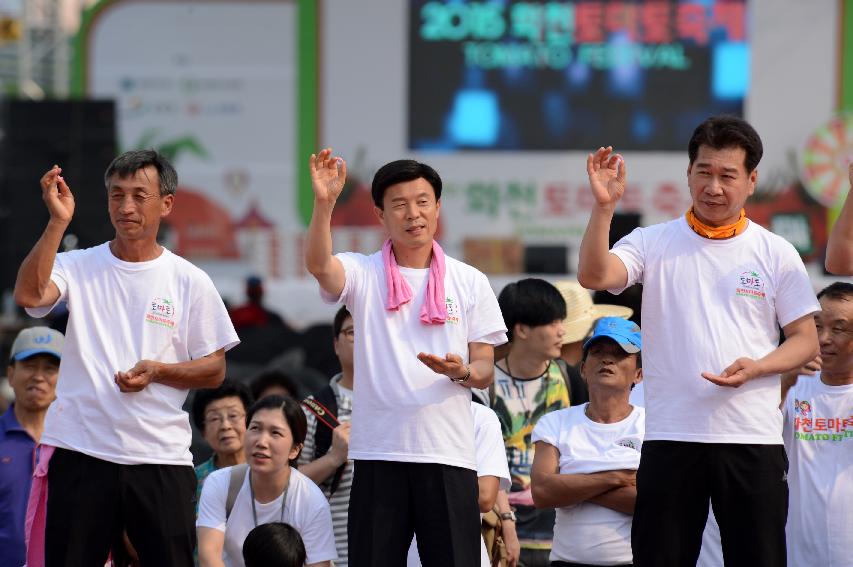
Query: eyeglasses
x=218, y=418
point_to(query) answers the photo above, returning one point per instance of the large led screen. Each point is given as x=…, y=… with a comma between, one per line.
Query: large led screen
x=572, y=75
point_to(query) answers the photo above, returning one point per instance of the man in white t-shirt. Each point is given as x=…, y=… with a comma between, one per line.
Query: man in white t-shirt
x=425, y=326
x=818, y=413
x=144, y=327
x=716, y=289
x=492, y=471
x=587, y=456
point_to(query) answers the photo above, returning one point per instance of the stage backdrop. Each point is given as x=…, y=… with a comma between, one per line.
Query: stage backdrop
x=505, y=98
x=228, y=90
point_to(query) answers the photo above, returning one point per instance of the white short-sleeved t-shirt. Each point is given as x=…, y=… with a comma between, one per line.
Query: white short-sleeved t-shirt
x=587, y=532
x=707, y=303
x=491, y=461
x=402, y=410
x=120, y=312
x=489, y=445
x=306, y=509
x=819, y=441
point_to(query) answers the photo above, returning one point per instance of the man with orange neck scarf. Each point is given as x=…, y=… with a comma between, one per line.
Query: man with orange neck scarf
x=716, y=289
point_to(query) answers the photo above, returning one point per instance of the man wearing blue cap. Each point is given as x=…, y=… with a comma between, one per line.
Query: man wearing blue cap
x=587, y=456
x=32, y=373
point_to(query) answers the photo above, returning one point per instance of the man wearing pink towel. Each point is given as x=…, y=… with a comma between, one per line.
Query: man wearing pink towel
x=426, y=326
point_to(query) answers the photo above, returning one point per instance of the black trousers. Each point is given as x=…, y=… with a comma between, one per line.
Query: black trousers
x=746, y=484
x=392, y=501
x=91, y=502
x=534, y=558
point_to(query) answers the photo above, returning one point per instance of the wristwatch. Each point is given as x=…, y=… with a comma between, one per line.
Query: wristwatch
x=464, y=378
x=508, y=515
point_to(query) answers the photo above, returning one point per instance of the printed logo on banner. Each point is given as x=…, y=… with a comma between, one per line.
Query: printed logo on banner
x=161, y=311
x=751, y=285
x=453, y=310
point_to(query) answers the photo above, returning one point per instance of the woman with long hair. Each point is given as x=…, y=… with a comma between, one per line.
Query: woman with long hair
x=267, y=489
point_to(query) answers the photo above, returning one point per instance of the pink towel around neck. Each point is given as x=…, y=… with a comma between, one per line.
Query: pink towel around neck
x=36, y=518
x=434, y=308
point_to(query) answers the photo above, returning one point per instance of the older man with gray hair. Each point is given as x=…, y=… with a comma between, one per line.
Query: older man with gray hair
x=144, y=327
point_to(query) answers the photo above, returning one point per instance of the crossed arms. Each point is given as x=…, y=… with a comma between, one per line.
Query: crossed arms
x=616, y=489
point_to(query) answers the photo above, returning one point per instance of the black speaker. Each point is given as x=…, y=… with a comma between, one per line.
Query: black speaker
x=546, y=260
x=80, y=137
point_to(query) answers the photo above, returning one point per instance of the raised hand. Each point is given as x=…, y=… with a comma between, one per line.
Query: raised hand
x=328, y=174
x=57, y=195
x=606, y=172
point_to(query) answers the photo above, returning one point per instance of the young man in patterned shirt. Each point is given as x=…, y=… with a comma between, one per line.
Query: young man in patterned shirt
x=528, y=384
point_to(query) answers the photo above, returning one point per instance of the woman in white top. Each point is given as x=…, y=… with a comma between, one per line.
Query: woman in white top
x=271, y=490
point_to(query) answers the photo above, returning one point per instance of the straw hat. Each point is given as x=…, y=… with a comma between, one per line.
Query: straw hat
x=582, y=313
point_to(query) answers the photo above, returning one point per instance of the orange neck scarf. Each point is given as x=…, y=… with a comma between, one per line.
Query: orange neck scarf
x=716, y=232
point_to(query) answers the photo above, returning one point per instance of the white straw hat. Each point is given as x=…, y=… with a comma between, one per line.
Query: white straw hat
x=582, y=313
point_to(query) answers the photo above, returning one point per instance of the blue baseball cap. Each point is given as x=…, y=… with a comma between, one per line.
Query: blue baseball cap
x=37, y=340
x=625, y=333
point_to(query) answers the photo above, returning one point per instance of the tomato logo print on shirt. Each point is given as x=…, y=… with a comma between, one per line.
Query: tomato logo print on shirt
x=802, y=408
x=161, y=311
x=453, y=310
x=809, y=427
x=751, y=285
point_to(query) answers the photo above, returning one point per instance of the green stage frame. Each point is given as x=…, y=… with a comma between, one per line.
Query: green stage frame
x=308, y=85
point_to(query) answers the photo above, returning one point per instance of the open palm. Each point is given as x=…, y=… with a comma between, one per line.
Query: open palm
x=606, y=172
x=328, y=175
